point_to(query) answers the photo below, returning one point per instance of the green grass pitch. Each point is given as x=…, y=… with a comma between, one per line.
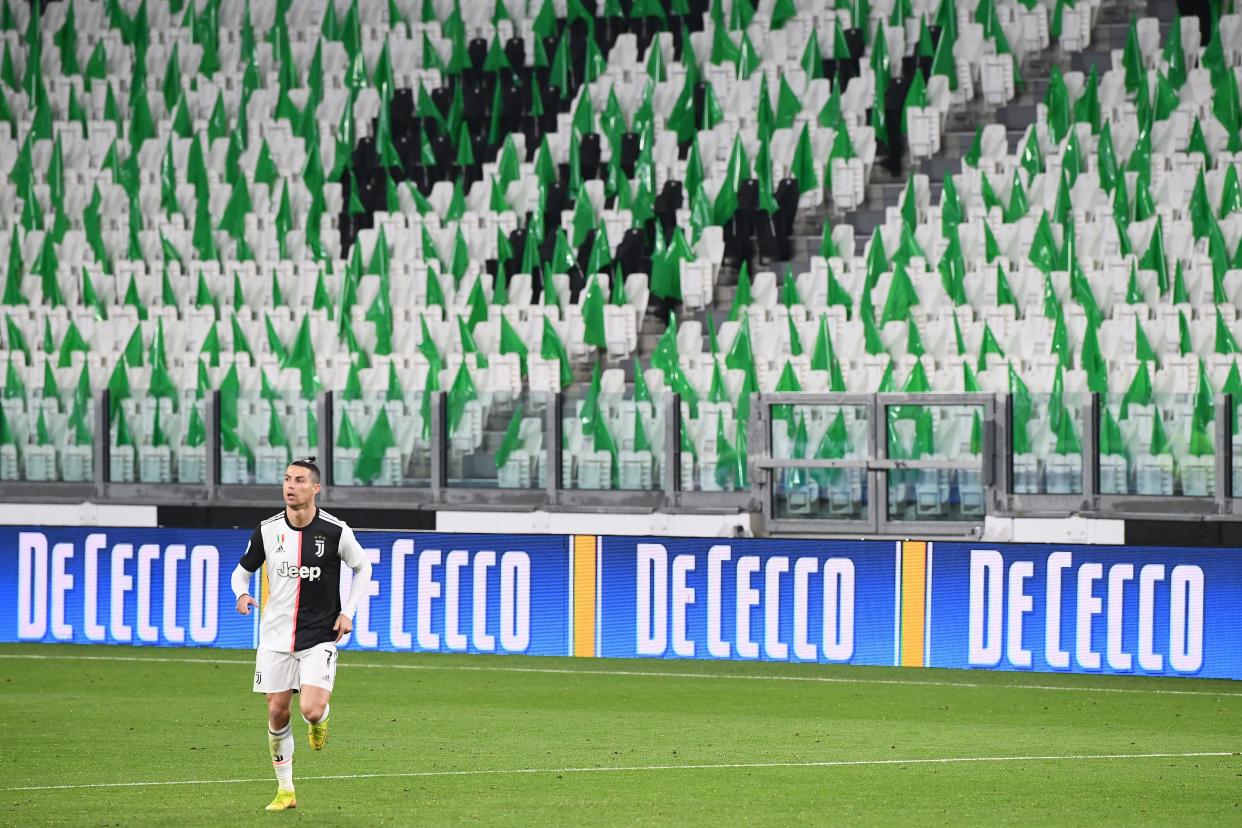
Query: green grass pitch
x=435, y=740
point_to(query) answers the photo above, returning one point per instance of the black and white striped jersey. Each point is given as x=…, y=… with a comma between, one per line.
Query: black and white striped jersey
x=303, y=568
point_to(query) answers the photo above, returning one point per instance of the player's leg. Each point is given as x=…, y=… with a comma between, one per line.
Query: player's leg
x=317, y=668
x=276, y=676
x=280, y=738
x=314, y=701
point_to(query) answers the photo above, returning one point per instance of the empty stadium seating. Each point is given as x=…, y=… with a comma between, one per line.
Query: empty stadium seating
x=390, y=201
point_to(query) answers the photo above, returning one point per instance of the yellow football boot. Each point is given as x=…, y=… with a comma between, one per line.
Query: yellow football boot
x=284, y=801
x=318, y=734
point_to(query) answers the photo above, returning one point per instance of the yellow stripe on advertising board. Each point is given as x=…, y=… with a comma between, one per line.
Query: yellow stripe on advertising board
x=584, y=575
x=913, y=602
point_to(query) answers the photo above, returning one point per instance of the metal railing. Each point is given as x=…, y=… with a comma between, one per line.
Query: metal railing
x=828, y=464
x=885, y=488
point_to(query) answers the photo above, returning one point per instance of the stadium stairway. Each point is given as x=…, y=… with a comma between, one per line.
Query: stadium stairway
x=885, y=189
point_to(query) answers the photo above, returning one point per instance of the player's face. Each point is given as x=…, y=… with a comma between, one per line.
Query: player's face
x=300, y=487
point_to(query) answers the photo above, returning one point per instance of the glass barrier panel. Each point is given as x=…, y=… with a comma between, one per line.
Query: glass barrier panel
x=47, y=436
x=714, y=448
x=820, y=432
x=610, y=440
x=509, y=451
x=952, y=433
x=1236, y=446
x=156, y=438
x=833, y=432
x=1046, y=443
x=382, y=438
x=261, y=430
x=1158, y=443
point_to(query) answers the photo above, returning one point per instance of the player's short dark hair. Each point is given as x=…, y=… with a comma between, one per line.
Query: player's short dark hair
x=308, y=463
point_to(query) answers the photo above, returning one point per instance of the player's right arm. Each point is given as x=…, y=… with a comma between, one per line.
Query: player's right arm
x=251, y=560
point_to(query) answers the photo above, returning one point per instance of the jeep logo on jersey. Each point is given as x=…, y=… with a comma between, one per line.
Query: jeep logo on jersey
x=310, y=573
x=320, y=540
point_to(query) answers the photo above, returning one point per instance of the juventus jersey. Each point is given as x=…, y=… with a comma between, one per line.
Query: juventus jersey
x=303, y=569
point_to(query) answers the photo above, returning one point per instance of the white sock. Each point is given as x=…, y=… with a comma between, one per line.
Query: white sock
x=327, y=708
x=280, y=745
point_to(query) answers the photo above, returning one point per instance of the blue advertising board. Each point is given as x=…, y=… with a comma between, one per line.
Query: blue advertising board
x=815, y=601
x=1044, y=608
x=1087, y=609
x=165, y=587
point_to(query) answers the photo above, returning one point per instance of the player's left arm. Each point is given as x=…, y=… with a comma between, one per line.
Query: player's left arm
x=350, y=551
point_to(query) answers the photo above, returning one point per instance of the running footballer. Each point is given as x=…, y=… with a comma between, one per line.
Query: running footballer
x=303, y=548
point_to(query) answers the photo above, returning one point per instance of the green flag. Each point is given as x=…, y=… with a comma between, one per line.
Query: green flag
x=1139, y=392
x=1225, y=342
x=802, y=167
x=1155, y=259
x=1112, y=443
x=901, y=297
x=972, y=156
x=741, y=355
x=593, y=316
x=787, y=383
x=371, y=457
x=14, y=387
x=394, y=392
x=824, y=357
x=118, y=385
x=551, y=347
x=477, y=304
x=1204, y=405
x=1106, y=159
x=1043, y=253
x=1093, y=362
x=512, y=440
x=602, y=440
x=1020, y=397
x=877, y=262
x=302, y=357
x=917, y=382
x=1067, y=441
x=988, y=345
x=72, y=341
x=665, y=356
x=641, y=392
x=1159, y=442
x=13, y=294
x=461, y=393
x=511, y=343
x=742, y=295
x=1231, y=192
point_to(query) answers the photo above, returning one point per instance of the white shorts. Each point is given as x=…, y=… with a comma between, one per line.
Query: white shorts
x=275, y=672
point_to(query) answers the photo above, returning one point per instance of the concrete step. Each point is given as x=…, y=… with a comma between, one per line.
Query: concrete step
x=1083, y=61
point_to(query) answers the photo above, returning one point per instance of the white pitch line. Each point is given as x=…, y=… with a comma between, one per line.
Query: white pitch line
x=650, y=674
x=838, y=763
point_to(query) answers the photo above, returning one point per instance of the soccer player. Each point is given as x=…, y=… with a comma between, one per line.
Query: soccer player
x=303, y=548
